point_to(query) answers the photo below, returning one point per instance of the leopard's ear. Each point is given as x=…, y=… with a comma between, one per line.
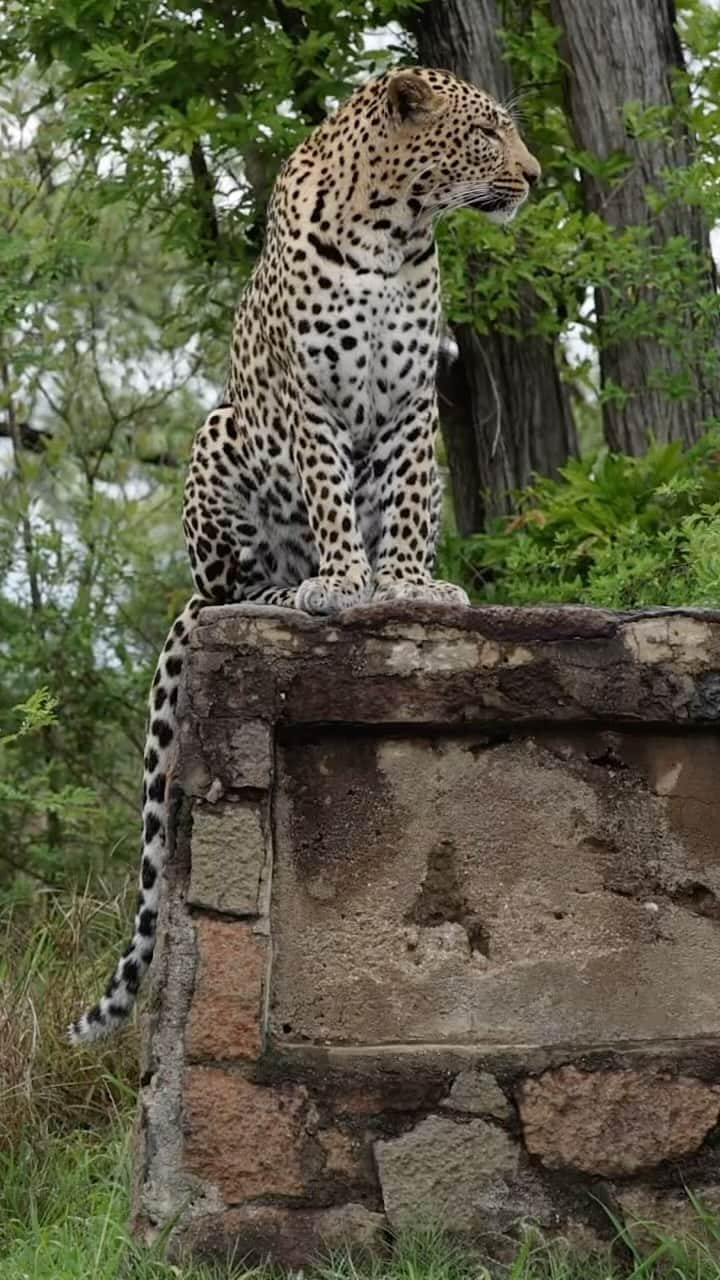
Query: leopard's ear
x=411, y=97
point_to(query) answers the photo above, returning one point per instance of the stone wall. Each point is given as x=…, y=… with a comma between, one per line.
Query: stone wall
x=440, y=937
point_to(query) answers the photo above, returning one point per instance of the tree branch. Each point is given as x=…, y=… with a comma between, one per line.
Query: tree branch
x=31, y=440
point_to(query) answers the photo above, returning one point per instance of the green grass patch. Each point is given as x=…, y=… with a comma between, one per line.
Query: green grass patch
x=64, y=1212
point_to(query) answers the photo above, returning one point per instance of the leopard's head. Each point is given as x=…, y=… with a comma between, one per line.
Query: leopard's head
x=455, y=146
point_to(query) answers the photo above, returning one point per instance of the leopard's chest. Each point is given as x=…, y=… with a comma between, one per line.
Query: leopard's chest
x=370, y=351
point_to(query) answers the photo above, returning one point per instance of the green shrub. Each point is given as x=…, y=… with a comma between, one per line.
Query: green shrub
x=614, y=531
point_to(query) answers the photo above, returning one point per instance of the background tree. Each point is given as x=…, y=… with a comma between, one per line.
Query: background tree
x=137, y=148
x=628, y=99
x=505, y=410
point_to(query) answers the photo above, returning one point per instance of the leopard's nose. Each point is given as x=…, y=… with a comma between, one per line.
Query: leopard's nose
x=531, y=170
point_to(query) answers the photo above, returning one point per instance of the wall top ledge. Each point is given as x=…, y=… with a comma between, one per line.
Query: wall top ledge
x=440, y=665
x=531, y=622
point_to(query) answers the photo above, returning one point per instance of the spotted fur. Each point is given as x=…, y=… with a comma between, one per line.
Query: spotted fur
x=313, y=484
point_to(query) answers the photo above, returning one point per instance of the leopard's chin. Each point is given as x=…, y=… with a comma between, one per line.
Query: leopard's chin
x=503, y=213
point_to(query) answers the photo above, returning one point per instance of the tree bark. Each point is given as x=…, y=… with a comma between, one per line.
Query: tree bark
x=619, y=51
x=510, y=414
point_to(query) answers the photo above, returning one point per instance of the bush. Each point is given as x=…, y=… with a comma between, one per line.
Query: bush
x=613, y=531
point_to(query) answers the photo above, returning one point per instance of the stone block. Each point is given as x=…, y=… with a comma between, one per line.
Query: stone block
x=245, y=1140
x=219, y=755
x=446, y=1174
x=615, y=1122
x=227, y=1011
x=240, y=755
x=478, y=1092
x=651, y=1212
x=248, y=1140
x=228, y=855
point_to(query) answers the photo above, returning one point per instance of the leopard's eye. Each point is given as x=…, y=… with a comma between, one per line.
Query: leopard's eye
x=490, y=132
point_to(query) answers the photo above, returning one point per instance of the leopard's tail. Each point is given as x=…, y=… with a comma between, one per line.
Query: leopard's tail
x=114, y=1007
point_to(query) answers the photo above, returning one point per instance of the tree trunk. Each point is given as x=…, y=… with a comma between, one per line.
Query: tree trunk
x=621, y=51
x=509, y=412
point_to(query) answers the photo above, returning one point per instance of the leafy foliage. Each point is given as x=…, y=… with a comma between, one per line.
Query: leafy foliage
x=613, y=531
x=194, y=105
x=38, y=713
x=653, y=288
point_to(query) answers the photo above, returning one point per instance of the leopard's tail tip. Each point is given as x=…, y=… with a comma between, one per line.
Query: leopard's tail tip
x=91, y=1027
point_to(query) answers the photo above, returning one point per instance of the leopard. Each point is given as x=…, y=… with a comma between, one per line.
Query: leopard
x=313, y=483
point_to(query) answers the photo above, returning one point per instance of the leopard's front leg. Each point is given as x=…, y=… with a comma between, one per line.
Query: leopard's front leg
x=406, y=475
x=323, y=458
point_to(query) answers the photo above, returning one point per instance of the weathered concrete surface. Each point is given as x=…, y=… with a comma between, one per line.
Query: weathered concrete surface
x=437, y=665
x=556, y=888
x=440, y=930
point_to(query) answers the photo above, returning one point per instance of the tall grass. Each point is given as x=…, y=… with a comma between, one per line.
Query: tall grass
x=56, y=952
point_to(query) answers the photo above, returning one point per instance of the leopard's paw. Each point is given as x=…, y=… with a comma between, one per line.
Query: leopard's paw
x=330, y=594
x=432, y=592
